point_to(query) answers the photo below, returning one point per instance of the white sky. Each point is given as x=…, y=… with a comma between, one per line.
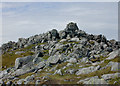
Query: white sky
x=24, y=19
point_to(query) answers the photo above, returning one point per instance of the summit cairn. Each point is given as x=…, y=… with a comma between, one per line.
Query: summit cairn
x=71, y=27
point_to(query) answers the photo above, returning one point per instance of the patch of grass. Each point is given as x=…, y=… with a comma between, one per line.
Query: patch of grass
x=8, y=59
x=45, y=51
x=115, y=79
x=102, y=58
x=61, y=65
x=92, y=42
x=65, y=77
x=95, y=60
x=42, y=43
x=45, y=57
x=116, y=59
x=25, y=75
x=74, y=66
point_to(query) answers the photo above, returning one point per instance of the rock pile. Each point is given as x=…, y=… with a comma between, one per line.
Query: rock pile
x=88, y=58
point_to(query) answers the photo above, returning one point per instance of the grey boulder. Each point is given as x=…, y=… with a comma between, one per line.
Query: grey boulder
x=72, y=60
x=55, y=59
x=110, y=76
x=19, y=62
x=87, y=70
x=114, y=66
x=113, y=54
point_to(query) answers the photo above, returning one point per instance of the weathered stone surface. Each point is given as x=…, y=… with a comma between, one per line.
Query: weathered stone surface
x=96, y=81
x=21, y=81
x=58, y=72
x=19, y=62
x=87, y=70
x=55, y=59
x=36, y=60
x=74, y=40
x=69, y=64
x=114, y=66
x=63, y=40
x=3, y=73
x=110, y=76
x=113, y=54
x=84, y=59
x=72, y=60
x=70, y=71
x=92, y=80
x=29, y=78
x=41, y=65
x=71, y=27
x=9, y=83
x=37, y=82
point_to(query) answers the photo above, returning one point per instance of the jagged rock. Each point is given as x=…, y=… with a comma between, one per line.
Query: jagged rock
x=38, y=58
x=114, y=66
x=20, y=81
x=85, y=80
x=93, y=80
x=63, y=34
x=45, y=77
x=69, y=64
x=87, y=70
x=29, y=78
x=3, y=73
x=72, y=60
x=41, y=65
x=110, y=76
x=53, y=34
x=55, y=59
x=58, y=72
x=63, y=40
x=74, y=40
x=113, y=54
x=37, y=82
x=54, y=68
x=19, y=72
x=2, y=83
x=19, y=52
x=9, y=83
x=19, y=62
x=96, y=81
x=71, y=27
x=70, y=71
x=84, y=59
x=39, y=54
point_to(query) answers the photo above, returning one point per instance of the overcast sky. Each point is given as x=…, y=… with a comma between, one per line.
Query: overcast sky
x=24, y=19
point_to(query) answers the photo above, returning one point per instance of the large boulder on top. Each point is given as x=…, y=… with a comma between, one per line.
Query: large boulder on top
x=53, y=35
x=71, y=27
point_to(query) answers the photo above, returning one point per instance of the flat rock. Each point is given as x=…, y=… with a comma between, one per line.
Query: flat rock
x=72, y=60
x=113, y=54
x=114, y=66
x=110, y=76
x=87, y=70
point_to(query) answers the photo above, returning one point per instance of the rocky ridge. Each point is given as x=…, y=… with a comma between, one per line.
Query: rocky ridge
x=70, y=56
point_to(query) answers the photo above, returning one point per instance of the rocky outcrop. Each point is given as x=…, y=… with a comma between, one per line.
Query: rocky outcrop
x=69, y=55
